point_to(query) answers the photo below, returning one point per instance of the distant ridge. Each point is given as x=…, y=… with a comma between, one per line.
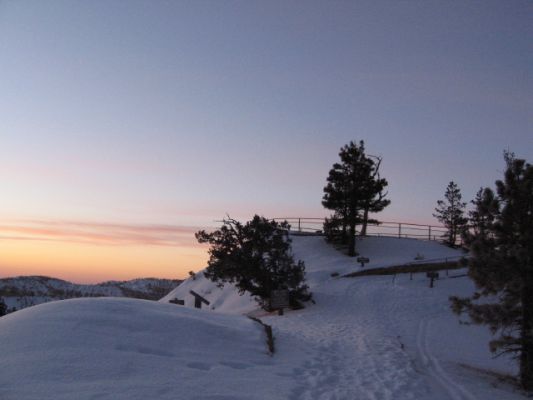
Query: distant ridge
x=25, y=291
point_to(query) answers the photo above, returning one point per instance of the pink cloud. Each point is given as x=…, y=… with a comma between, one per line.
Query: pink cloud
x=99, y=232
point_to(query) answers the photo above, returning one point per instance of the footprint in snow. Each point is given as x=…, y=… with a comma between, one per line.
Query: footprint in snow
x=235, y=365
x=199, y=365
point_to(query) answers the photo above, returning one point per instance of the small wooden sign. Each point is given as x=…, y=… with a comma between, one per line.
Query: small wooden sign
x=279, y=299
x=363, y=260
x=432, y=275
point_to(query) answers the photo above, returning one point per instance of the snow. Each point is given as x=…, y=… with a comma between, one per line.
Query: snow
x=110, y=348
x=373, y=337
x=225, y=299
x=321, y=260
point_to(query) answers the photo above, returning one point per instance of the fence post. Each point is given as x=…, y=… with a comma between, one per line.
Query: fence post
x=400, y=230
x=429, y=232
x=299, y=225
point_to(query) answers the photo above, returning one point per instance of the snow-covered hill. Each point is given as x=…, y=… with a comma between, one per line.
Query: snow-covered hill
x=130, y=349
x=372, y=337
x=321, y=261
x=24, y=291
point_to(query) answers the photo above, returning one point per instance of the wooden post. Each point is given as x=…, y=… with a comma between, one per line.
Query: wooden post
x=399, y=230
x=299, y=225
x=198, y=299
x=429, y=232
x=432, y=276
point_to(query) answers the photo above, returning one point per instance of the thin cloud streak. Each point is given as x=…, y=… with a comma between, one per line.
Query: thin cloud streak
x=99, y=233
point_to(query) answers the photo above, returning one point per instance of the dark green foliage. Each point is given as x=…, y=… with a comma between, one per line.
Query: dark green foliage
x=256, y=258
x=481, y=217
x=334, y=229
x=354, y=189
x=3, y=307
x=501, y=265
x=450, y=212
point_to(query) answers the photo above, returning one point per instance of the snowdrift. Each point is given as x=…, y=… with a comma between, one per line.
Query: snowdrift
x=225, y=300
x=127, y=349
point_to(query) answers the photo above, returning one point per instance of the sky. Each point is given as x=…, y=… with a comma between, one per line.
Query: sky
x=127, y=126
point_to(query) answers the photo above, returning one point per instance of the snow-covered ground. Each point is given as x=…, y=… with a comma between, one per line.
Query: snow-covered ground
x=387, y=337
x=109, y=348
x=373, y=337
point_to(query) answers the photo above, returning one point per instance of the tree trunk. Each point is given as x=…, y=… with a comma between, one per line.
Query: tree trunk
x=344, y=231
x=365, y=222
x=526, y=353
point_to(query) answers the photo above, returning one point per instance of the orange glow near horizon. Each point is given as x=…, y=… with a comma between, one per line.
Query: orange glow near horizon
x=91, y=253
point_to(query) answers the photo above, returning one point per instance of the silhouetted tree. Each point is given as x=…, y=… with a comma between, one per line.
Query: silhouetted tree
x=256, y=258
x=481, y=216
x=375, y=198
x=501, y=265
x=354, y=189
x=3, y=307
x=450, y=212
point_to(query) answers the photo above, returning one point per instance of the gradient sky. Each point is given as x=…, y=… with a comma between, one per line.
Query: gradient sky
x=127, y=125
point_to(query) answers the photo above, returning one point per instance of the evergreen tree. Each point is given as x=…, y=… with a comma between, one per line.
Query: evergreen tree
x=334, y=229
x=354, y=188
x=375, y=198
x=450, y=212
x=501, y=265
x=3, y=307
x=481, y=216
x=256, y=258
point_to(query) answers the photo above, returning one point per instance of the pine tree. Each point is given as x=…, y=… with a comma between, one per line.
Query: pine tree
x=501, y=265
x=481, y=216
x=256, y=258
x=354, y=188
x=450, y=212
x=375, y=197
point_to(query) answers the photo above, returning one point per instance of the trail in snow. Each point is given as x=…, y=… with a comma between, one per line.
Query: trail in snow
x=432, y=364
x=351, y=357
x=370, y=338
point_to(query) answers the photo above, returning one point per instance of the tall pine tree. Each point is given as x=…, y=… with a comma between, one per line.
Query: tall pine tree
x=450, y=212
x=501, y=265
x=354, y=188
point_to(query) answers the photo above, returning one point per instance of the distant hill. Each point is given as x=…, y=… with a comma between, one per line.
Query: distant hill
x=25, y=291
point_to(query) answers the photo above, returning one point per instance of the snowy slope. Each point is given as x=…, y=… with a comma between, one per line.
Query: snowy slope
x=321, y=260
x=366, y=338
x=225, y=299
x=387, y=337
x=132, y=349
x=380, y=337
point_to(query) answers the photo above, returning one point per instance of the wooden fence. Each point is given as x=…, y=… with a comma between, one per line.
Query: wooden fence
x=382, y=228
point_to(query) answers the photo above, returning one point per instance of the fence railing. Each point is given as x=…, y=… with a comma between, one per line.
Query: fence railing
x=381, y=228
